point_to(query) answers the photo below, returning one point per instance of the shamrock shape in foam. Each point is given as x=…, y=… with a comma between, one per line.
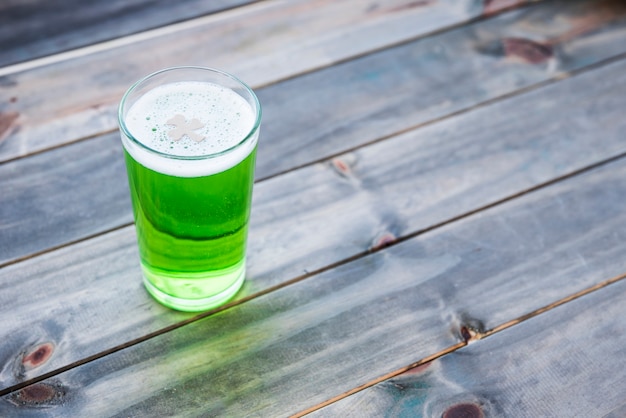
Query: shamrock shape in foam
x=182, y=128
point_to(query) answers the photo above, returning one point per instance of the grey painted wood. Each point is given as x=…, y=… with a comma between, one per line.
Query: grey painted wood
x=618, y=412
x=290, y=135
x=360, y=200
x=566, y=362
x=300, y=345
x=31, y=29
x=312, y=218
x=74, y=192
x=261, y=43
x=400, y=88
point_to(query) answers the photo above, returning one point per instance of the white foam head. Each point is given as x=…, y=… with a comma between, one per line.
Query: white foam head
x=190, y=129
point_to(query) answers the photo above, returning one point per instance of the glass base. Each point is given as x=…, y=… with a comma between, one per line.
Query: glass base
x=196, y=304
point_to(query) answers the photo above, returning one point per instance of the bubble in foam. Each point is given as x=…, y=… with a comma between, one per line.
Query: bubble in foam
x=225, y=116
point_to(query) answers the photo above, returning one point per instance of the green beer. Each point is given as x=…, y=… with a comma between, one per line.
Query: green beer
x=190, y=150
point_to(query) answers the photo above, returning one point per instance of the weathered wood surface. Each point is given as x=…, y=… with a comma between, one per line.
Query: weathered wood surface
x=298, y=346
x=567, y=362
x=31, y=29
x=618, y=412
x=262, y=43
x=348, y=212
x=371, y=98
x=496, y=201
x=364, y=100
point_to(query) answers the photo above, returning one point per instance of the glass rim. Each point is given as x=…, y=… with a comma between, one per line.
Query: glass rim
x=138, y=83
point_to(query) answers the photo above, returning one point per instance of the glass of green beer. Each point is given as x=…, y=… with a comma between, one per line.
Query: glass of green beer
x=190, y=137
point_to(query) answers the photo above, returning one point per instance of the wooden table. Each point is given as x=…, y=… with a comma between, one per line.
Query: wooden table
x=438, y=227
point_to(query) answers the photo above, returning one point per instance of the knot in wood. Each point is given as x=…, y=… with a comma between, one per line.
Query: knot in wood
x=528, y=51
x=383, y=241
x=38, y=355
x=39, y=395
x=8, y=124
x=464, y=410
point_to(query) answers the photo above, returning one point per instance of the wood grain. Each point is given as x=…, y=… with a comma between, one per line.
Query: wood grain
x=403, y=87
x=419, y=227
x=261, y=43
x=31, y=29
x=314, y=217
x=51, y=189
x=365, y=199
x=291, y=135
x=565, y=362
x=285, y=351
x=618, y=412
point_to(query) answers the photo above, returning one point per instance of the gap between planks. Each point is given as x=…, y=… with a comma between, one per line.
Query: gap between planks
x=472, y=336
x=216, y=17
x=354, y=257
x=557, y=78
x=129, y=39
x=468, y=334
x=196, y=22
x=549, y=81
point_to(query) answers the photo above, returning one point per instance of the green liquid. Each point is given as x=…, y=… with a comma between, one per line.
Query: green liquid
x=192, y=233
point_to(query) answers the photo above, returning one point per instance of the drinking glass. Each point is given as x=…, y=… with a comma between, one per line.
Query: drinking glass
x=190, y=138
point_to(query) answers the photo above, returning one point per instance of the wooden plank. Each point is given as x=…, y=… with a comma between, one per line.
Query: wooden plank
x=36, y=28
x=618, y=412
x=79, y=120
x=400, y=88
x=262, y=43
x=565, y=362
x=290, y=135
x=295, y=347
x=372, y=196
x=52, y=188
x=314, y=217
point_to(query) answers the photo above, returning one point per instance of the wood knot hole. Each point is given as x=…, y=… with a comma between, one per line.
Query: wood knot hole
x=466, y=333
x=464, y=410
x=8, y=124
x=38, y=356
x=383, y=241
x=39, y=394
x=341, y=167
x=526, y=50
